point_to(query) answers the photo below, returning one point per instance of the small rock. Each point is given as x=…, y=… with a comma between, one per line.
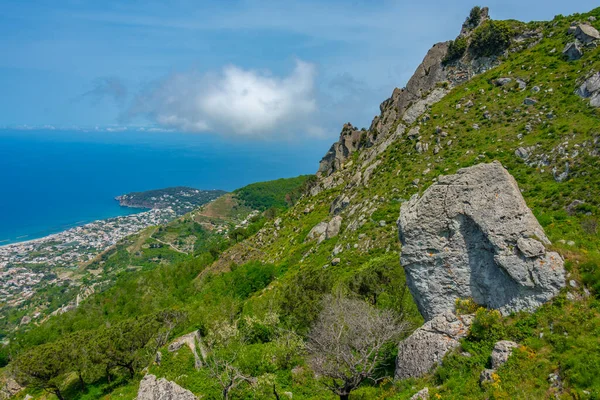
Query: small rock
x=486, y=376
x=25, y=320
x=335, y=261
x=503, y=81
x=382, y=223
x=469, y=103
x=415, y=182
x=158, y=357
x=535, y=89
x=422, y=394
x=522, y=84
x=476, y=127
x=591, y=18
x=573, y=284
x=522, y=153
x=502, y=350
x=529, y=101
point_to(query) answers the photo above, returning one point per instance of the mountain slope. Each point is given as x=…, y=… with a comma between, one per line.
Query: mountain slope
x=341, y=236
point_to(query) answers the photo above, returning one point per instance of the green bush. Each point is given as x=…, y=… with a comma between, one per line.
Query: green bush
x=474, y=16
x=491, y=38
x=456, y=49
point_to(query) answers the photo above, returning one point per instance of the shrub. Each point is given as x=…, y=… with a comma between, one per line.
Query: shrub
x=474, y=16
x=456, y=49
x=491, y=38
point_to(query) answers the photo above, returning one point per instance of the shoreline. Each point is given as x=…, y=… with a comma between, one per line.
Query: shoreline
x=46, y=235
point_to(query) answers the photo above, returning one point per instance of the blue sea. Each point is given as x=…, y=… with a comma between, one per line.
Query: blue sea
x=53, y=180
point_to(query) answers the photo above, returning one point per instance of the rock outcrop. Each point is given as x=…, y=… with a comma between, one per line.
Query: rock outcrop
x=471, y=235
x=325, y=230
x=586, y=34
x=426, y=347
x=431, y=81
x=590, y=89
x=162, y=389
x=194, y=342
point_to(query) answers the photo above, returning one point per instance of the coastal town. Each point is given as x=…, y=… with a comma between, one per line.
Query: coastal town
x=27, y=267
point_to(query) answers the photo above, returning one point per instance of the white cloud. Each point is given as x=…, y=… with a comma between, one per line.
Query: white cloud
x=234, y=102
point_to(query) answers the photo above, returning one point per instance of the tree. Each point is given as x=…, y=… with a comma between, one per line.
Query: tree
x=474, y=16
x=221, y=368
x=43, y=367
x=346, y=344
x=120, y=345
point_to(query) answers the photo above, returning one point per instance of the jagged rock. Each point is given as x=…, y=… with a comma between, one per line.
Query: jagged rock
x=422, y=394
x=339, y=204
x=351, y=139
x=529, y=101
x=460, y=240
x=586, y=34
x=591, y=89
x=502, y=350
x=573, y=51
x=426, y=347
x=420, y=106
x=162, y=389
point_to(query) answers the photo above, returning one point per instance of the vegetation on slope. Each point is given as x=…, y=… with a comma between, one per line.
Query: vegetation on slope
x=257, y=316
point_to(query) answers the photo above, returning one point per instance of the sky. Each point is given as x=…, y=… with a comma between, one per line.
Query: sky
x=256, y=70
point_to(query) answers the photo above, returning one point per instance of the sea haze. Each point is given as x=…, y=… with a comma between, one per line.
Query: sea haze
x=54, y=180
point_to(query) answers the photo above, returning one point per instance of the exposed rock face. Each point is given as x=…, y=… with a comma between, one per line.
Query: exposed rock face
x=502, y=350
x=162, y=389
x=351, y=139
x=422, y=394
x=426, y=347
x=471, y=235
x=590, y=89
x=431, y=81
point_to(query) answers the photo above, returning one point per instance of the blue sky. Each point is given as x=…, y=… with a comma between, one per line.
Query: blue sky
x=252, y=69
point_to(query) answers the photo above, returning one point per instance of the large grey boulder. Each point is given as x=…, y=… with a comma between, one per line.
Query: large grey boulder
x=162, y=389
x=586, y=33
x=471, y=235
x=421, y=351
x=325, y=230
x=573, y=51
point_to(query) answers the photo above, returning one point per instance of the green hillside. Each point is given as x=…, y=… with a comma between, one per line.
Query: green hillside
x=255, y=295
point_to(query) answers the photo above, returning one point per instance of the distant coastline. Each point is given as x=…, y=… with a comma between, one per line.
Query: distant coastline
x=44, y=233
